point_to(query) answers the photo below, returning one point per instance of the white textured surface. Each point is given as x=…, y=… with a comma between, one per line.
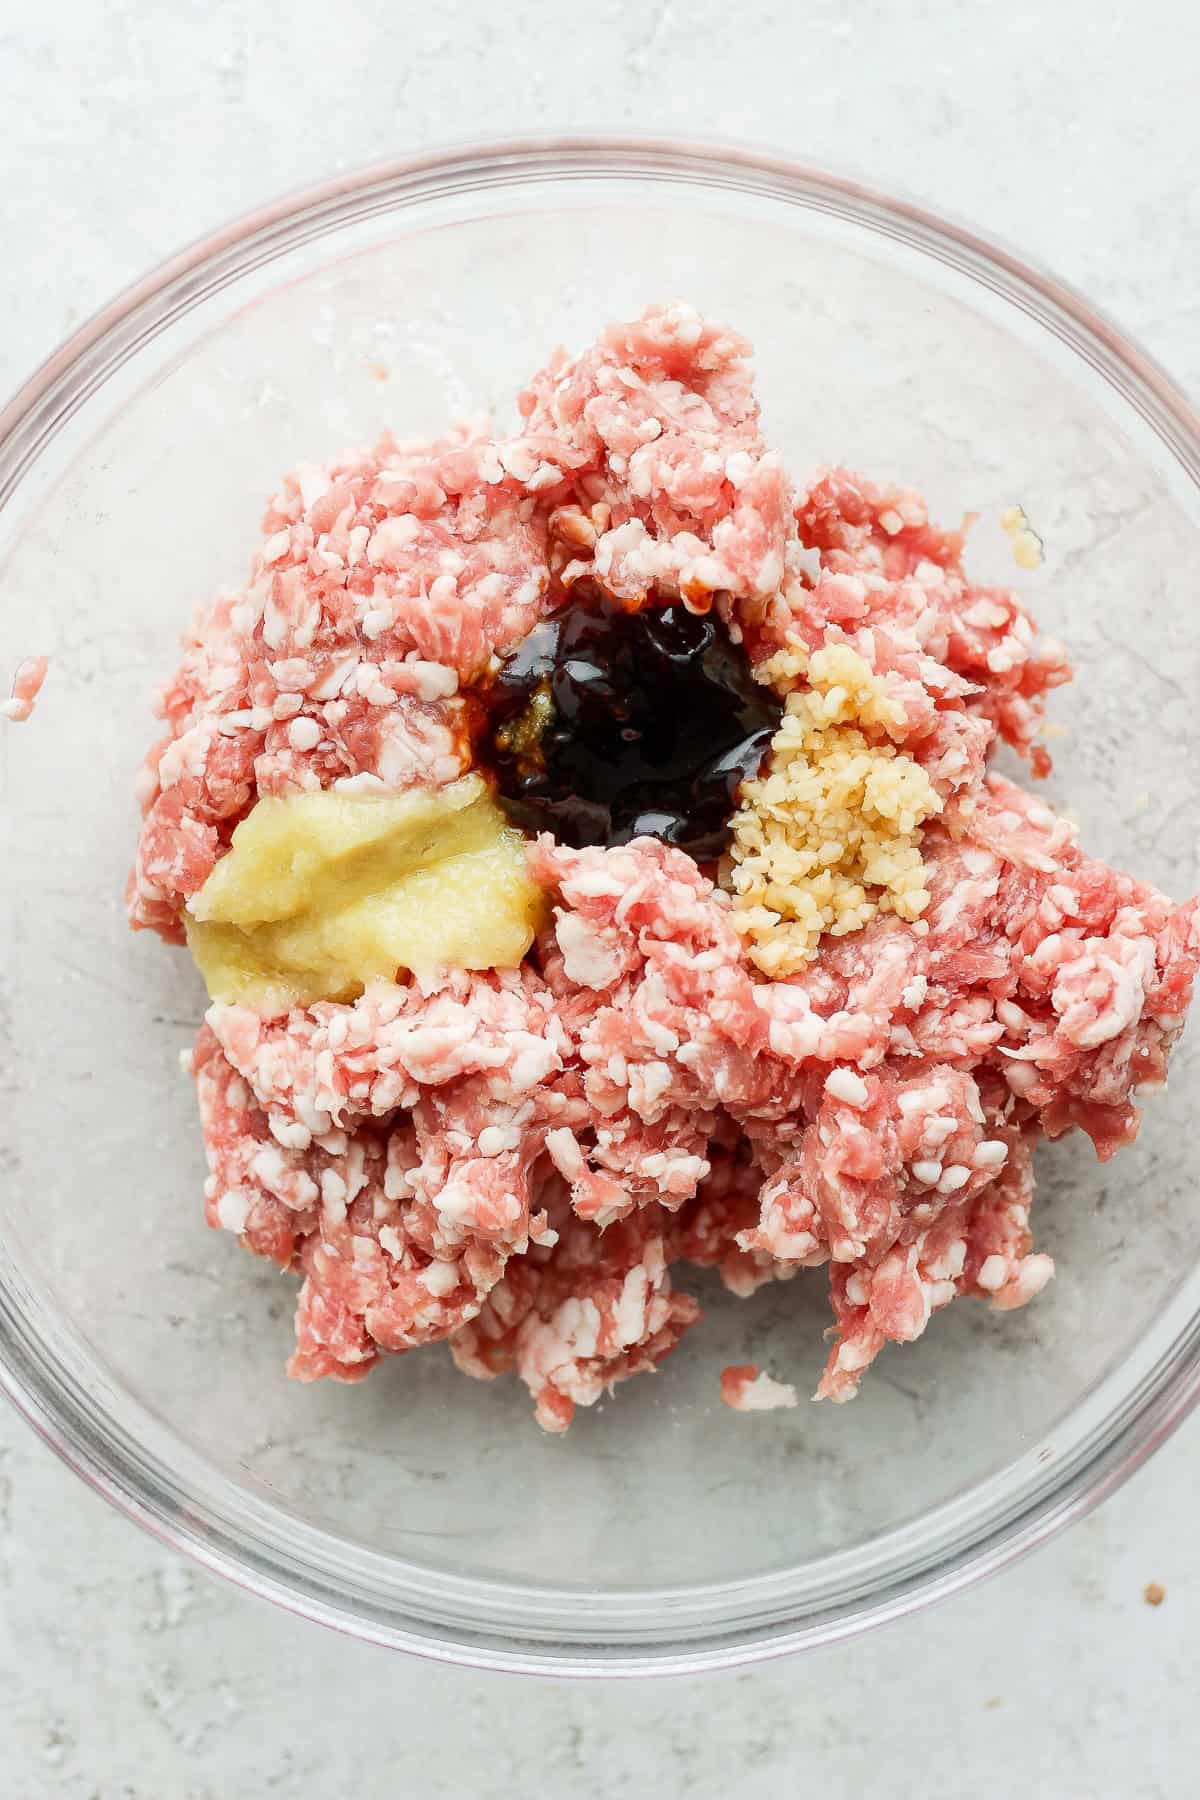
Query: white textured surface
x=133, y=127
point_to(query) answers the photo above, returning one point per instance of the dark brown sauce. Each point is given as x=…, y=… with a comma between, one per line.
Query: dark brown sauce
x=605, y=725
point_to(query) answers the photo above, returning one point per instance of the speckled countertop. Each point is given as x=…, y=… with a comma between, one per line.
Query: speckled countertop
x=130, y=128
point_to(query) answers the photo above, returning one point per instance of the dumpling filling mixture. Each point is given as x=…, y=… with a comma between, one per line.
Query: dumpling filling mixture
x=588, y=840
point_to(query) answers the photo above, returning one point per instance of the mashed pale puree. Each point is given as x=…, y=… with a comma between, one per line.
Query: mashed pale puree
x=322, y=892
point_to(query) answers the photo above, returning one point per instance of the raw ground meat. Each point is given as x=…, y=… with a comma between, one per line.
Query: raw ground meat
x=26, y=686
x=578, y=1315
x=747, y=1388
x=519, y=1162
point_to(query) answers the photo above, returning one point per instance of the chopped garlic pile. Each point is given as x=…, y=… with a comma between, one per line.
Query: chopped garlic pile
x=828, y=835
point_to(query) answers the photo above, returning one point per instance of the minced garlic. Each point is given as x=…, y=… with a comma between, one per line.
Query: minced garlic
x=1027, y=548
x=849, y=688
x=828, y=836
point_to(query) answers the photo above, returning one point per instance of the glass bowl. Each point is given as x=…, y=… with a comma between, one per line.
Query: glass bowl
x=420, y=1509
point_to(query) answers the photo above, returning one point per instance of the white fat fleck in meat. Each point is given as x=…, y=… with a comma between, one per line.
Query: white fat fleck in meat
x=457, y=1203
x=661, y=1038
x=293, y=1134
x=953, y=1178
x=339, y=674
x=648, y=1082
x=993, y=1272
x=440, y=1278
x=629, y=1316
x=1021, y=1078
x=392, y=537
x=333, y=1196
x=796, y=1038
x=494, y=1140
x=950, y=1264
x=362, y=783
x=852, y=1357
x=532, y=1063
x=563, y=1148
x=738, y=468
x=588, y=960
x=376, y=620
x=577, y=1323
x=276, y=546
x=292, y=1185
x=845, y=1085
x=233, y=1209
x=304, y=734
x=432, y=681
x=1031, y=1276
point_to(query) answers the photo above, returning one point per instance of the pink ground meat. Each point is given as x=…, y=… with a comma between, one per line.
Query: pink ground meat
x=26, y=686
x=577, y=1315
x=747, y=1388
x=522, y=1162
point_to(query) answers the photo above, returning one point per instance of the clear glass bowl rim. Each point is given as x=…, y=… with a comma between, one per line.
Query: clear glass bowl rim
x=572, y=1631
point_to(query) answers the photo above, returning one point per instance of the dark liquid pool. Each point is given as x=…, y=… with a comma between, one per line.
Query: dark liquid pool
x=606, y=725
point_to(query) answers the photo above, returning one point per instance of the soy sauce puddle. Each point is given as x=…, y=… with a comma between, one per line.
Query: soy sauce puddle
x=606, y=725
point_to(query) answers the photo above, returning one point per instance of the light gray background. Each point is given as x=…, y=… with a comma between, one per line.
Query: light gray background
x=131, y=127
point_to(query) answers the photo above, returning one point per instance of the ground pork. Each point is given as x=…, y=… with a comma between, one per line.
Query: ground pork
x=526, y=1162
x=26, y=686
x=747, y=1388
x=574, y=1317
